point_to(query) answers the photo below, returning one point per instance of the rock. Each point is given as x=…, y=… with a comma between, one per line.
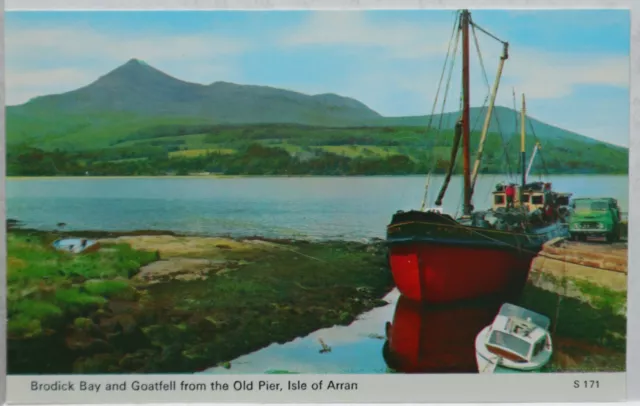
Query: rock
x=124, y=323
x=82, y=341
x=185, y=269
x=136, y=361
x=169, y=246
x=122, y=307
x=82, y=323
x=109, y=325
x=99, y=363
x=163, y=335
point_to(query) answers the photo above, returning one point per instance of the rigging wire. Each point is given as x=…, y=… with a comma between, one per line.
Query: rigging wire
x=544, y=165
x=455, y=31
x=444, y=101
x=487, y=32
x=444, y=68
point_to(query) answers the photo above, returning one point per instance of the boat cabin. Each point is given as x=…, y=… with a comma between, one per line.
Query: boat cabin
x=531, y=196
x=516, y=334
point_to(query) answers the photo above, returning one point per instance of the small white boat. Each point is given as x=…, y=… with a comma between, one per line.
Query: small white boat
x=76, y=245
x=518, y=340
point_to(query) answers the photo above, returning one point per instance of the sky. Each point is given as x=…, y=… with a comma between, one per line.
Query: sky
x=572, y=65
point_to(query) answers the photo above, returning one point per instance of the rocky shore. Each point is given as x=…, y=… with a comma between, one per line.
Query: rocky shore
x=166, y=303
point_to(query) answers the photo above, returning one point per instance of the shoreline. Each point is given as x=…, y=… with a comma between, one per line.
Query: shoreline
x=14, y=226
x=177, y=304
x=212, y=176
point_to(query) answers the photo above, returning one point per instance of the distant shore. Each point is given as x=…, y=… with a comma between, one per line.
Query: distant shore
x=217, y=176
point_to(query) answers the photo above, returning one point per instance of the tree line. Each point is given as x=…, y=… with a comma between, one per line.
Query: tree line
x=254, y=159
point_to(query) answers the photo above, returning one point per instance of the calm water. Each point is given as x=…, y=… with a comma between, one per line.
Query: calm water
x=347, y=208
x=423, y=339
x=356, y=348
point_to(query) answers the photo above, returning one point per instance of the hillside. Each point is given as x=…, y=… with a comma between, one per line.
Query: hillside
x=503, y=120
x=138, y=112
x=140, y=96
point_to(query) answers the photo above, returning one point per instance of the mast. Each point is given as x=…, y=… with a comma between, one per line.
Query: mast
x=487, y=120
x=465, y=111
x=522, y=141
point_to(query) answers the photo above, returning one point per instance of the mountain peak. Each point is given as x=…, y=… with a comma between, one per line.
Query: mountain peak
x=136, y=72
x=135, y=62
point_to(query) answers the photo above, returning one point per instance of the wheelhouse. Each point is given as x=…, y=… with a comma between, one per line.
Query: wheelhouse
x=531, y=197
x=516, y=335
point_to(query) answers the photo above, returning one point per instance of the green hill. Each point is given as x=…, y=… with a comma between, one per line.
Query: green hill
x=137, y=113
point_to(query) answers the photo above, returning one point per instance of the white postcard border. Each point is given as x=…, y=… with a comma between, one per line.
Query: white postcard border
x=385, y=388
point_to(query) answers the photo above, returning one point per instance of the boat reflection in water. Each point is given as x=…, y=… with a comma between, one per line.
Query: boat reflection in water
x=436, y=339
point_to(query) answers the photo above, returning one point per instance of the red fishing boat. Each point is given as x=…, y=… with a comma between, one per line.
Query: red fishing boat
x=438, y=257
x=435, y=339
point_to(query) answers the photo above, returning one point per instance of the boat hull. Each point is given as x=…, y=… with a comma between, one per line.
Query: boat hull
x=435, y=259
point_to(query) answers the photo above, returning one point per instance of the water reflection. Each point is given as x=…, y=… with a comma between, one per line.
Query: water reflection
x=402, y=337
x=354, y=349
x=428, y=339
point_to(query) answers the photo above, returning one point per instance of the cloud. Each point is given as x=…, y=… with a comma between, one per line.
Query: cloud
x=347, y=29
x=47, y=60
x=538, y=74
x=408, y=59
x=22, y=85
x=545, y=75
x=26, y=43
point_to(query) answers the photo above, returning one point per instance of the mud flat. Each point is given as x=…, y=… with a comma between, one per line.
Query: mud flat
x=168, y=303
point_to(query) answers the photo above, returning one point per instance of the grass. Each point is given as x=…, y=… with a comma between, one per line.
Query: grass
x=44, y=285
x=353, y=151
x=128, y=160
x=190, y=153
x=589, y=332
x=603, y=298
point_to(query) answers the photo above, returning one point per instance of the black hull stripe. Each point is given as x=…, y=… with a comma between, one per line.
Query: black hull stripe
x=502, y=246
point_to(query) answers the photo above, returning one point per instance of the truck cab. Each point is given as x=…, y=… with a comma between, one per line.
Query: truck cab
x=595, y=217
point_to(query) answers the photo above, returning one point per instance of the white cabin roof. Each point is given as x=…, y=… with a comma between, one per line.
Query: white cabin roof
x=517, y=330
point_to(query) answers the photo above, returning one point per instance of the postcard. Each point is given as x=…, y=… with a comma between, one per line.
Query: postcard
x=317, y=205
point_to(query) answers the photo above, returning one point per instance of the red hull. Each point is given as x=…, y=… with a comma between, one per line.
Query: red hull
x=440, y=273
x=423, y=339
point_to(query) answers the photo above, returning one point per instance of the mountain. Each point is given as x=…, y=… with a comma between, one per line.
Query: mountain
x=137, y=98
x=139, y=89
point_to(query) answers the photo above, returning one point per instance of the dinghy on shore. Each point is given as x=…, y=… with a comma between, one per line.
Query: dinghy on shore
x=76, y=245
x=518, y=340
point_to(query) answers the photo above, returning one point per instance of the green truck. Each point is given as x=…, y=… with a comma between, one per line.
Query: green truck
x=595, y=217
